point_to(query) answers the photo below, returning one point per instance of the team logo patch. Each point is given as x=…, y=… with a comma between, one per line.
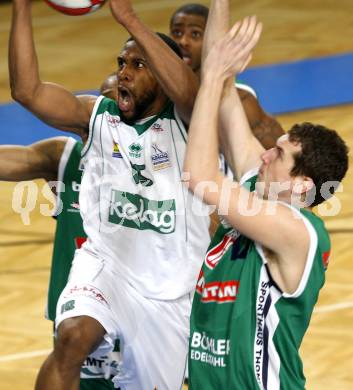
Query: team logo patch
x=135, y=150
x=160, y=159
x=157, y=128
x=116, y=151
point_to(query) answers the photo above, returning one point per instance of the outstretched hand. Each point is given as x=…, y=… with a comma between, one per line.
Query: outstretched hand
x=231, y=54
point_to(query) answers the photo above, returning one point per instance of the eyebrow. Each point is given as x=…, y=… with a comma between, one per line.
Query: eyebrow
x=121, y=57
x=188, y=25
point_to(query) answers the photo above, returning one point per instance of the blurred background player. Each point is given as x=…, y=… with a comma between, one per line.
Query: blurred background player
x=58, y=160
x=187, y=27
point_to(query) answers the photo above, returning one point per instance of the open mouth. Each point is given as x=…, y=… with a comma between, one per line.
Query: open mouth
x=125, y=100
x=186, y=57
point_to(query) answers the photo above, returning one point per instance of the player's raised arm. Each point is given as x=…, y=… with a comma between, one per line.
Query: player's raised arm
x=239, y=144
x=216, y=70
x=50, y=102
x=177, y=80
x=217, y=25
x=263, y=126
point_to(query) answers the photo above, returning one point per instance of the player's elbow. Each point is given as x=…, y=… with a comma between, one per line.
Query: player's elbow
x=21, y=94
x=198, y=180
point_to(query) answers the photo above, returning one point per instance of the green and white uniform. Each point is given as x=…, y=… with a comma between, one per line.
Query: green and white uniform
x=245, y=332
x=147, y=236
x=69, y=236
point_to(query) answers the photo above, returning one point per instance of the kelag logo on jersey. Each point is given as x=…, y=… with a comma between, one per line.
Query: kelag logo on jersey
x=136, y=212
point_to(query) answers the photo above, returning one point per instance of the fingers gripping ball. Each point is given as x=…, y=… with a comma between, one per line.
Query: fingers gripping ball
x=75, y=7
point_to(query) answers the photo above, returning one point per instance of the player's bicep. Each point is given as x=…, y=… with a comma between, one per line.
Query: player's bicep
x=61, y=109
x=271, y=224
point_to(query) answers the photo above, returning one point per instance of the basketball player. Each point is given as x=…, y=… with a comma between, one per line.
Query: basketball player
x=187, y=27
x=58, y=159
x=133, y=277
x=266, y=264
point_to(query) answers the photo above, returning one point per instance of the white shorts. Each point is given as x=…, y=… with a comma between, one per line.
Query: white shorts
x=153, y=333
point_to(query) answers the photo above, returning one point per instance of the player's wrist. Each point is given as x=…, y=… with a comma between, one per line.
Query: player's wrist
x=129, y=19
x=212, y=76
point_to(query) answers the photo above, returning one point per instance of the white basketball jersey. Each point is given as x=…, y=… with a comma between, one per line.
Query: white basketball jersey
x=139, y=218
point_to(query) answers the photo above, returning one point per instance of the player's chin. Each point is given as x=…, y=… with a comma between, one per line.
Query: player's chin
x=128, y=116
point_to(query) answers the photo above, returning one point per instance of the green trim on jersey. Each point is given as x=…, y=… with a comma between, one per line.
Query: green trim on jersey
x=111, y=106
x=181, y=131
x=245, y=87
x=69, y=231
x=246, y=333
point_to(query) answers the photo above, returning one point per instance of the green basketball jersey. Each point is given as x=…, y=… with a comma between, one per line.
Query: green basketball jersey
x=69, y=234
x=245, y=332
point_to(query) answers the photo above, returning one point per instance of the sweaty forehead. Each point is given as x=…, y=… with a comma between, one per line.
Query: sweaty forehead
x=284, y=142
x=131, y=49
x=189, y=20
x=282, y=139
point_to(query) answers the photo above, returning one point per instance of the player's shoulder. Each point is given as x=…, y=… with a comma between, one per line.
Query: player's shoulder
x=51, y=147
x=318, y=225
x=104, y=104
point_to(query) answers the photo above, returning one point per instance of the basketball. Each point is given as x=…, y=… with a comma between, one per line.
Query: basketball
x=75, y=7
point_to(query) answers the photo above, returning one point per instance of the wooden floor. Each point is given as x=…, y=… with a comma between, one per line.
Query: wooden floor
x=79, y=53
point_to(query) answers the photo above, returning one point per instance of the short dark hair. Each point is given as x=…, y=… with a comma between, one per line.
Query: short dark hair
x=323, y=158
x=169, y=41
x=191, y=9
